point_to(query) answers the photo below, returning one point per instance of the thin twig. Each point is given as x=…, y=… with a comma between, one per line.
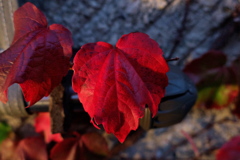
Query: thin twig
x=190, y=140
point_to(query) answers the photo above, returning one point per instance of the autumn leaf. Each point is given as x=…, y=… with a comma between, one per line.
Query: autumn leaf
x=114, y=84
x=230, y=150
x=81, y=147
x=31, y=148
x=43, y=125
x=216, y=83
x=198, y=68
x=38, y=57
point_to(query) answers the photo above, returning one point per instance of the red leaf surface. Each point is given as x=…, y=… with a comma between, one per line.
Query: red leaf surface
x=31, y=148
x=81, y=147
x=38, y=57
x=43, y=125
x=217, y=83
x=115, y=83
x=230, y=150
x=199, y=68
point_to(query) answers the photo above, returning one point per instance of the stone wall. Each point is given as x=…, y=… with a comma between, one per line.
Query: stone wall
x=183, y=28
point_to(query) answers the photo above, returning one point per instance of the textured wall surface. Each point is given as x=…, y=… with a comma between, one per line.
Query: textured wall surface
x=183, y=28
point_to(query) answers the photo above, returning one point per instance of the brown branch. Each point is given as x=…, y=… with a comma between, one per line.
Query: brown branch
x=172, y=59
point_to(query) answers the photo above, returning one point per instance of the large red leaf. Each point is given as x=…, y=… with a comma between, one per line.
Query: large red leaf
x=38, y=57
x=115, y=83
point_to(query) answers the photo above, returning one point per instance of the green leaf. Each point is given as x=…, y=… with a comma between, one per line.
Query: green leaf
x=5, y=129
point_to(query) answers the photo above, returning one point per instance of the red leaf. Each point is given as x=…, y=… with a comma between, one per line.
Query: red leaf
x=216, y=83
x=79, y=147
x=43, y=125
x=230, y=150
x=65, y=150
x=38, y=57
x=31, y=148
x=115, y=83
x=198, y=68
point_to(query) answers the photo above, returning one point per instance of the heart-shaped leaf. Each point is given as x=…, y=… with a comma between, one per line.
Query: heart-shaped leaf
x=115, y=84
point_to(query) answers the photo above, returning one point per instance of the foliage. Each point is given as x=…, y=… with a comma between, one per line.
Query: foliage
x=38, y=57
x=43, y=125
x=74, y=146
x=217, y=83
x=115, y=83
x=83, y=147
x=218, y=87
x=119, y=80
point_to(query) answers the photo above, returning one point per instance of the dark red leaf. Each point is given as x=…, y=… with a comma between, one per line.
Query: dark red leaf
x=216, y=83
x=43, y=125
x=38, y=57
x=81, y=148
x=66, y=150
x=95, y=143
x=115, y=83
x=31, y=148
x=28, y=18
x=199, y=67
x=230, y=150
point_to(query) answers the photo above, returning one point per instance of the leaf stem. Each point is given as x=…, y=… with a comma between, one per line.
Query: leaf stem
x=172, y=59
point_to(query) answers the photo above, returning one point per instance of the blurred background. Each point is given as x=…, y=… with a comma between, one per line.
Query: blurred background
x=183, y=28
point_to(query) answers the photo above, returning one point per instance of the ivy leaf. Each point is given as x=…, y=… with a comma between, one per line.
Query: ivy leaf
x=199, y=68
x=38, y=57
x=31, y=148
x=43, y=125
x=216, y=83
x=81, y=147
x=115, y=83
x=230, y=150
